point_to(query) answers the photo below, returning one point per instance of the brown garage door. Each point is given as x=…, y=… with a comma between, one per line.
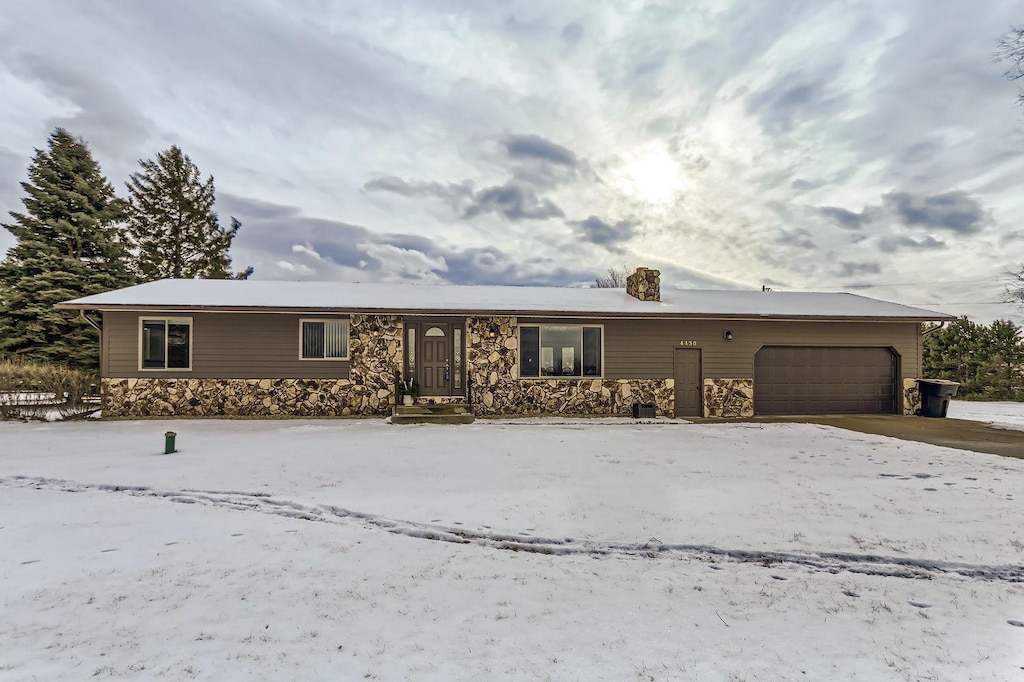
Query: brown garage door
x=815, y=380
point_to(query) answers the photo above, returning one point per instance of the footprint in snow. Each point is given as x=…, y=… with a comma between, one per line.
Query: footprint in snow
x=168, y=544
x=920, y=605
x=30, y=561
x=922, y=475
x=930, y=490
x=779, y=577
x=970, y=478
x=113, y=549
x=948, y=483
x=1016, y=623
x=850, y=593
x=237, y=535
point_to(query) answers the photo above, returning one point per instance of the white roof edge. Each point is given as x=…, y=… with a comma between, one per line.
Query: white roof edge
x=267, y=295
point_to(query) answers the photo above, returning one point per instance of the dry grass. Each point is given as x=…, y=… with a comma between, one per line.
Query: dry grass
x=30, y=390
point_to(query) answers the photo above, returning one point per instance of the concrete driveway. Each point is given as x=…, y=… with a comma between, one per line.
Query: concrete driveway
x=951, y=433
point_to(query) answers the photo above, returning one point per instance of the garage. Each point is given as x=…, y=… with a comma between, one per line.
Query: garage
x=824, y=380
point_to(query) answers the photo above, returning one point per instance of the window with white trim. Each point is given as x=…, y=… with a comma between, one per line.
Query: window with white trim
x=560, y=350
x=323, y=339
x=165, y=343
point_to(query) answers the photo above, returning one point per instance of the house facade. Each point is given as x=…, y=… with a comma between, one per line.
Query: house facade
x=226, y=347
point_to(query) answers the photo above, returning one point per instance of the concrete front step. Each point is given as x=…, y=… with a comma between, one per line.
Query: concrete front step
x=432, y=413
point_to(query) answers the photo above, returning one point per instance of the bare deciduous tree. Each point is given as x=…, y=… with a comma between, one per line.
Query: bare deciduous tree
x=1011, y=50
x=615, y=279
x=1015, y=287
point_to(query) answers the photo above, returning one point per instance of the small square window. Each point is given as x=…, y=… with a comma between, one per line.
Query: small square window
x=323, y=339
x=165, y=343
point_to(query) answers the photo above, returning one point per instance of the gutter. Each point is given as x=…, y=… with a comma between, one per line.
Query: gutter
x=81, y=313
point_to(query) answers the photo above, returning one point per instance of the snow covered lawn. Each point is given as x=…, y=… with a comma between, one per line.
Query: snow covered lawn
x=522, y=550
x=1007, y=414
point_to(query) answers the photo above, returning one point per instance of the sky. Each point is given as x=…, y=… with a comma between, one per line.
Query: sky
x=864, y=146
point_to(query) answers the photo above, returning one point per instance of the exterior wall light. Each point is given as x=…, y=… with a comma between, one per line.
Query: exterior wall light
x=727, y=335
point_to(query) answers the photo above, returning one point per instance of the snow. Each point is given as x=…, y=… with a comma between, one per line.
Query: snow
x=523, y=550
x=390, y=297
x=1006, y=415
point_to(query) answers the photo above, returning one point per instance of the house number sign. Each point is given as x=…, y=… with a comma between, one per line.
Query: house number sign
x=687, y=343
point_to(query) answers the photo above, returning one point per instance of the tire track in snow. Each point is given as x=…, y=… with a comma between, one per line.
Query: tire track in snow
x=262, y=502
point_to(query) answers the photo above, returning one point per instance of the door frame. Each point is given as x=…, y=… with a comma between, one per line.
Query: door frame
x=449, y=325
x=700, y=382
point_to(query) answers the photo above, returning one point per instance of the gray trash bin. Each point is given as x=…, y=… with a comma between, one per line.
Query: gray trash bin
x=935, y=396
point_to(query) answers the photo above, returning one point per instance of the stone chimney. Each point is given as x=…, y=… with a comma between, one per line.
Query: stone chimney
x=644, y=284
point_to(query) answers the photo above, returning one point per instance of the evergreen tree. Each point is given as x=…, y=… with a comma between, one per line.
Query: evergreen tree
x=68, y=245
x=173, y=227
x=987, y=361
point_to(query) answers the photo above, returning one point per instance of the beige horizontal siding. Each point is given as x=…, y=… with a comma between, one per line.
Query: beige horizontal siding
x=224, y=346
x=255, y=345
x=642, y=349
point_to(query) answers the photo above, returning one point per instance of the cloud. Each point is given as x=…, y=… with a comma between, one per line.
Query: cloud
x=792, y=99
x=408, y=264
x=12, y=171
x=514, y=200
x=572, y=32
x=255, y=208
x=846, y=219
x=799, y=238
x=802, y=185
x=535, y=147
x=847, y=269
x=413, y=188
x=328, y=249
x=597, y=231
x=103, y=114
x=954, y=211
x=894, y=244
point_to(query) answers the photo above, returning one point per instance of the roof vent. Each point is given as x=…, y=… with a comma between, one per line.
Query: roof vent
x=644, y=284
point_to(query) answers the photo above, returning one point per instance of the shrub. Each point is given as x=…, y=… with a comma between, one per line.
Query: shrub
x=31, y=390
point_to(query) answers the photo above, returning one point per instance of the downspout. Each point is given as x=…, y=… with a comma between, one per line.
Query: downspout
x=932, y=330
x=81, y=313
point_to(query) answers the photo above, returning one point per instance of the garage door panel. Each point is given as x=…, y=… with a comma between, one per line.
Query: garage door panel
x=824, y=380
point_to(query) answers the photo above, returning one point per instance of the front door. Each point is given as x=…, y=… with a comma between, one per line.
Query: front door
x=689, y=387
x=435, y=370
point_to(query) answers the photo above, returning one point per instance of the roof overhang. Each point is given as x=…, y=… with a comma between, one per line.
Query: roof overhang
x=496, y=312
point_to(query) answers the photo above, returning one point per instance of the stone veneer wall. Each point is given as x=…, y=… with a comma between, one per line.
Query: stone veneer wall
x=728, y=398
x=644, y=284
x=375, y=353
x=911, y=396
x=492, y=357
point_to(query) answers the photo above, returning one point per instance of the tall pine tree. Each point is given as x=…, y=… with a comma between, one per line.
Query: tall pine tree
x=987, y=361
x=68, y=245
x=173, y=227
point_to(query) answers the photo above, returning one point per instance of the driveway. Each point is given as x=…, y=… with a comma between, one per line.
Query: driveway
x=951, y=433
